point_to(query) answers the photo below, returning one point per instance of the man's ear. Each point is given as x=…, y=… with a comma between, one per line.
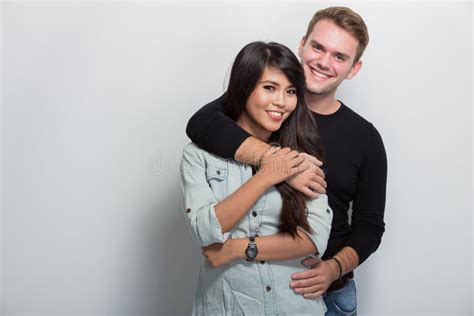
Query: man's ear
x=300, y=49
x=354, y=70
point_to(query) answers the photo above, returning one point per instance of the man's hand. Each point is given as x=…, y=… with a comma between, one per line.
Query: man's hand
x=315, y=281
x=310, y=180
x=219, y=254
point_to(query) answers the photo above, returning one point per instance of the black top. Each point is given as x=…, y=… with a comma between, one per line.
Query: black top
x=355, y=165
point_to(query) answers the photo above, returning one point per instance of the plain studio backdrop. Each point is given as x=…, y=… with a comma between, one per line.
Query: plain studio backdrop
x=95, y=100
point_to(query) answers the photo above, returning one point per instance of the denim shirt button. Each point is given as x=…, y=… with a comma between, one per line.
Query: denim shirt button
x=188, y=210
x=262, y=262
x=254, y=214
x=218, y=172
x=268, y=288
x=328, y=210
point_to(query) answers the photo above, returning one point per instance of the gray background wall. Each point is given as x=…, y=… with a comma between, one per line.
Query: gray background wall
x=95, y=98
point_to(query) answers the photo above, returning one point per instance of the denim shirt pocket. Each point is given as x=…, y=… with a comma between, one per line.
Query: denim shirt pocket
x=216, y=172
x=217, y=177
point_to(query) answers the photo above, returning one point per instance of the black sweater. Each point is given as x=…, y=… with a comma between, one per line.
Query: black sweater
x=355, y=165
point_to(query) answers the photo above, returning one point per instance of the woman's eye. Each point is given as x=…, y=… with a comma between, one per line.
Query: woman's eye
x=291, y=91
x=269, y=88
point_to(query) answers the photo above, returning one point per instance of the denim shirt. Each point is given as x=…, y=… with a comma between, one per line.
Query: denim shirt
x=242, y=287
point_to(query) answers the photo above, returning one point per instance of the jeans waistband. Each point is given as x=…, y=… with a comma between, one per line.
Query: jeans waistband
x=339, y=283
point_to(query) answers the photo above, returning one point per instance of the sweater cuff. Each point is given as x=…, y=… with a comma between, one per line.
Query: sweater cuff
x=364, y=246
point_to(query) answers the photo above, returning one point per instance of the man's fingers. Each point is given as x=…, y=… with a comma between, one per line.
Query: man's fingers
x=313, y=159
x=319, y=172
x=284, y=151
x=316, y=187
x=310, y=193
x=305, y=165
x=295, y=162
x=304, y=274
x=317, y=294
x=308, y=289
x=317, y=162
x=310, y=262
x=320, y=180
x=301, y=286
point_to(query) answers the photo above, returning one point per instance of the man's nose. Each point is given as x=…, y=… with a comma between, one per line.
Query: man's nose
x=323, y=61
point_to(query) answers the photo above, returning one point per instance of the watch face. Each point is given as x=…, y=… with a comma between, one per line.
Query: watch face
x=251, y=251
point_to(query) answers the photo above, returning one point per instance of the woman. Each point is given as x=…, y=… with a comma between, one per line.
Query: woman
x=254, y=228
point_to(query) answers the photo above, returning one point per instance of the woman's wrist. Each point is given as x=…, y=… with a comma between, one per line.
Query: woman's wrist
x=238, y=248
x=261, y=181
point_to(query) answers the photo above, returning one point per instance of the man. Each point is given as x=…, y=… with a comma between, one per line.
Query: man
x=355, y=160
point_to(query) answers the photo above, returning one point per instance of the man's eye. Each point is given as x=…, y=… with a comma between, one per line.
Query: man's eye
x=317, y=47
x=269, y=88
x=340, y=58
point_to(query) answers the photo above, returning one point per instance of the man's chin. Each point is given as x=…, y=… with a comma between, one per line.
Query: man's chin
x=320, y=90
x=314, y=91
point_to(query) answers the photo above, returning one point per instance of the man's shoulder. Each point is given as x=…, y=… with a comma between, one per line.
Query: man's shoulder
x=352, y=115
x=356, y=120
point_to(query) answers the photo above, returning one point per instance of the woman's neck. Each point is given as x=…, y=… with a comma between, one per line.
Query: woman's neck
x=251, y=127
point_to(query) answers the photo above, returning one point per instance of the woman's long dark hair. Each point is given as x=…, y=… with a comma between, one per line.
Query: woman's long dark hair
x=299, y=131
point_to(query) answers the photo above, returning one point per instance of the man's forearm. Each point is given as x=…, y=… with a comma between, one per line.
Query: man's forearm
x=214, y=131
x=277, y=247
x=251, y=151
x=348, y=258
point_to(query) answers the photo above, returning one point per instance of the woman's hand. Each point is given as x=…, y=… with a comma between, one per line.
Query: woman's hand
x=220, y=254
x=279, y=164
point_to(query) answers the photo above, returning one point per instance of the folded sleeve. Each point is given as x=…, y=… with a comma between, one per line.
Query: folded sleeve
x=198, y=199
x=319, y=218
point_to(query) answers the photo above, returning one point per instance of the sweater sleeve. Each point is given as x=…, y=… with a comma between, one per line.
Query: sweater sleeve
x=369, y=203
x=214, y=131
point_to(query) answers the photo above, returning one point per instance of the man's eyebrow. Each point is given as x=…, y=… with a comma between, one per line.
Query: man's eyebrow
x=315, y=42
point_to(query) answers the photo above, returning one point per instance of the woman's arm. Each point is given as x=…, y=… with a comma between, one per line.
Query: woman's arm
x=275, y=168
x=270, y=248
x=281, y=246
x=208, y=219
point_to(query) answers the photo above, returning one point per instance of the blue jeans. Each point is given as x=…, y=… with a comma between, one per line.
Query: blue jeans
x=342, y=302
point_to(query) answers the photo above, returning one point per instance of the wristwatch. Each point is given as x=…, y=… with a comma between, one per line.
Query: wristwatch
x=251, y=251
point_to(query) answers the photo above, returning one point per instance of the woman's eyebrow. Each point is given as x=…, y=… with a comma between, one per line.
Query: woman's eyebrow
x=270, y=81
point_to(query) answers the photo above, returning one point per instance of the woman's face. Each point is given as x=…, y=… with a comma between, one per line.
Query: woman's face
x=271, y=102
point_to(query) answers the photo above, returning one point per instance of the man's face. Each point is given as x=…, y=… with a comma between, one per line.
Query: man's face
x=327, y=56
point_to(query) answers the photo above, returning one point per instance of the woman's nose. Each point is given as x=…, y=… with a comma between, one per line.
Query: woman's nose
x=279, y=100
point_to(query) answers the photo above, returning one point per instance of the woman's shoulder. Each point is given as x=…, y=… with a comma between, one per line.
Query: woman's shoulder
x=319, y=203
x=196, y=152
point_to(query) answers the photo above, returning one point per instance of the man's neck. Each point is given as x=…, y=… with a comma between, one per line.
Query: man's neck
x=322, y=104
